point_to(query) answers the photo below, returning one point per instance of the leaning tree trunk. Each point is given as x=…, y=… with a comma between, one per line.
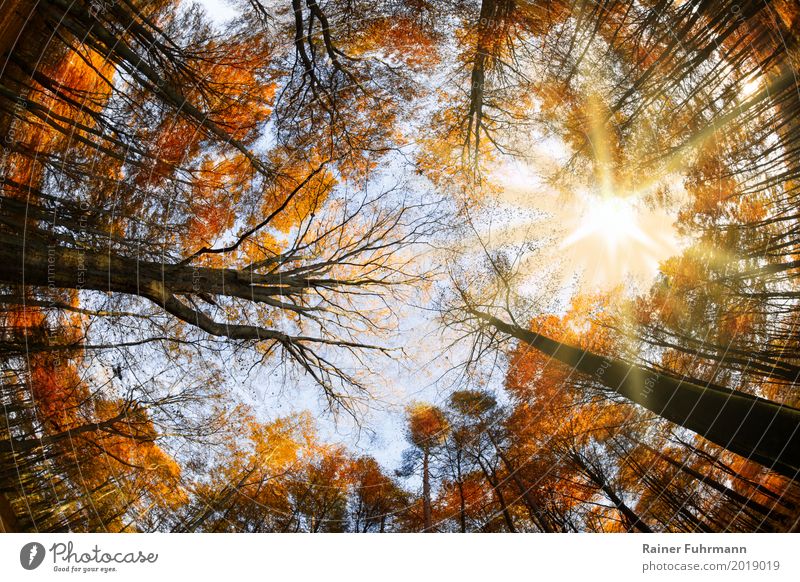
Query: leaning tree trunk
x=756, y=428
x=31, y=261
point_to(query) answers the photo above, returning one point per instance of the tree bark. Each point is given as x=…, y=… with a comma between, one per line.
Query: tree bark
x=494, y=483
x=756, y=428
x=426, y=492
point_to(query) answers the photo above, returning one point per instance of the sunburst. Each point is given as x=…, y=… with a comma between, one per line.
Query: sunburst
x=612, y=221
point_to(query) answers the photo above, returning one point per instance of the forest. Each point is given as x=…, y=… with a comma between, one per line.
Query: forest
x=400, y=266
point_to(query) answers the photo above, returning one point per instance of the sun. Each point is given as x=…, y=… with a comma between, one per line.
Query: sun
x=613, y=239
x=610, y=220
x=750, y=87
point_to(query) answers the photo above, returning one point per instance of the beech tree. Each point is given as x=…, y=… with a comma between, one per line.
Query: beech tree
x=753, y=427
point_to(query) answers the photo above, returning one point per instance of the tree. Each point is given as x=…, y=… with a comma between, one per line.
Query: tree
x=376, y=499
x=752, y=427
x=427, y=428
x=190, y=210
x=302, y=254
x=476, y=446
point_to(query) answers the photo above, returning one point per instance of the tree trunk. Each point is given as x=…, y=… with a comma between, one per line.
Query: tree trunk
x=535, y=512
x=426, y=492
x=756, y=428
x=8, y=521
x=494, y=483
x=31, y=261
x=462, y=508
x=743, y=500
x=533, y=507
x=629, y=517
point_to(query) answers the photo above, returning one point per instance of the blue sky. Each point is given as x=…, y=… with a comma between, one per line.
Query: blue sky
x=526, y=219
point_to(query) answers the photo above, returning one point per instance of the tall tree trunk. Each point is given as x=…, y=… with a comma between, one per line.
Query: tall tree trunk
x=462, y=502
x=31, y=261
x=629, y=517
x=426, y=491
x=494, y=483
x=756, y=428
x=738, y=498
x=462, y=508
x=534, y=510
x=8, y=521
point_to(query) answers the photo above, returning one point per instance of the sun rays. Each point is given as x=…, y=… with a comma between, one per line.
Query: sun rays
x=588, y=234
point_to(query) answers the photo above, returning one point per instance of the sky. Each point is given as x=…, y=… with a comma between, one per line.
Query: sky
x=219, y=11
x=418, y=377
x=588, y=239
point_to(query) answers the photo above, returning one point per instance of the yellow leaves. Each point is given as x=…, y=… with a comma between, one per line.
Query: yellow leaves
x=489, y=34
x=149, y=474
x=112, y=441
x=733, y=325
x=293, y=205
x=690, y=297
x=587, y=324
x=789, y=12
x=164, y=486
x=710, y=196
x=278, y=444
x=261, y=246
x=174, y=142
x=427, y=425
x=750, y=209
x=373, y=487
x=472, y=403
x=552, y=96
x=604, y=519
x=272, y=449
x=685, y=272
x=711, y=186
x=684, y=275
x=128, y=452
x=448, y=159
x=282, y=467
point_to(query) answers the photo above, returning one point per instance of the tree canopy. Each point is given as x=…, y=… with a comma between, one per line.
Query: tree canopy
x=453, y=266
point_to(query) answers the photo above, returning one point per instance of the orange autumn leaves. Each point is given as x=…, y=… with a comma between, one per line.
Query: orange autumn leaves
x=217, y=186
x=550, y=406
x=122, y=446
x=399, y=38
x=107, y=445
x=235, y=91
x=281, y=477
x=222, y=189
x=210, y=189
x=62, y=114
x=557, y=422
x=427, y=425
